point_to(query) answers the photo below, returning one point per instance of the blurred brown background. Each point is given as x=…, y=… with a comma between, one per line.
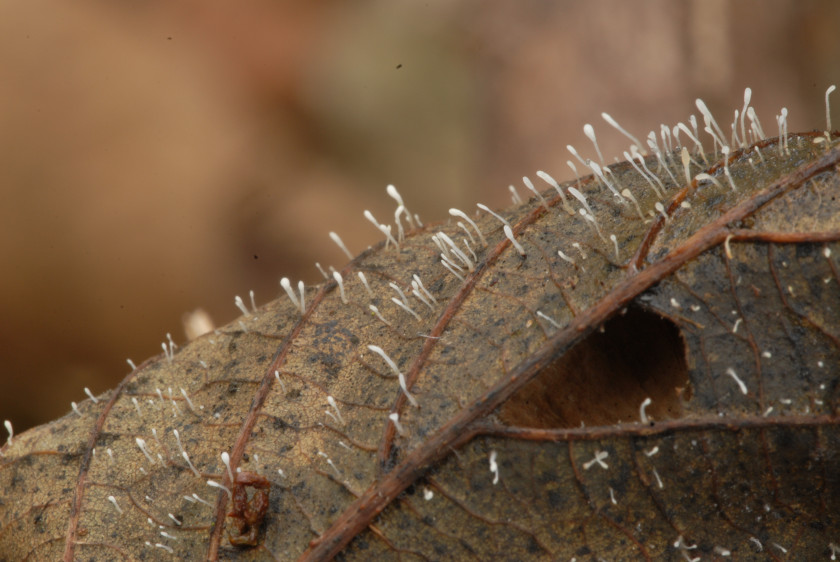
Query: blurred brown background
x=156, y=157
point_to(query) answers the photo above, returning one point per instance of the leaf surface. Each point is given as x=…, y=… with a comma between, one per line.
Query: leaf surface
x=661, y=388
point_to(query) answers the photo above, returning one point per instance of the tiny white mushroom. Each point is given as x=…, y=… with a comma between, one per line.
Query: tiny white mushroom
x=287, y=286
x=731, y=372
x=376, y=312
x=599, y=460
x=390, y=362
x=517, y=245
x=461, y=214
x=240, y=304
x=494, y=467
x=726, y=171
x=395, y=419
x=553, y=183
x=686, y=162
x=615, y=244
x=226, y=460
x=642, y=415
x=331, y=401
x=423, y=288
x=214, y=484
x=549, y=319
x=486, y=209
x=340, y=243
x=340, y=282
x=589, y=131
x=626, y=193
x=141, y=443
x=113, y=500
x=621, y=130
x=533, y=190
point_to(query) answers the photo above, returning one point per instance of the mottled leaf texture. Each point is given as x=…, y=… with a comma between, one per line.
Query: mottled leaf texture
x=655, y=380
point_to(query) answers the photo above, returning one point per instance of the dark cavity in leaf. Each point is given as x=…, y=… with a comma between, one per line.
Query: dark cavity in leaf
x=605, y=378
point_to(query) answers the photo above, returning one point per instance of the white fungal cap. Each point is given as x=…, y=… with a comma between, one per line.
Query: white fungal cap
x=686, y=162
x=747, y=96
x=547, y=318
x=384, y=229
x=379, y=351
x=390, y=362
x=638, y=156
x=237, y=300
x=665, y=131
x=466, y=230
x=710, y=120
x=340, y=243
x=392, y=191
x=487, y=210
x=461, y=214
x=726, y=168
x=783, y=130
x=755, y=125
x=456, y=251
x=214, y=484
x=615, y=243
x=141, y=443
x=626, y=193
x=574, y=152
x=494, y=467
x=287, y=286
x=599, y=173
x=741, y=386
x=399, y=291
x=517, y=245
x=340, y=282
x=553, y=183
x=331, y=401
x=226, y=460
x=533, y=190
x=642, y=415
x=582, y=198
x=90, y=395
x=395, y=195
x=828, y=108
x=420, y=285
x=590, y=133
x=453, y=269
x=364, y=281
x=378, y=314
x=113, y=500
x=566, y=258
x=660, y=208
x=707, y=177
x=405, y=307
x=621, y=130
x=395, y=419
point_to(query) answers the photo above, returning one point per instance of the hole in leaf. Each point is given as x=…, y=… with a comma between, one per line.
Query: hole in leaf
x=605, y=378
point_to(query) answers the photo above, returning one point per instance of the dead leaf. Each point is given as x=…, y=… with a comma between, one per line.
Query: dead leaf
x=659, y=385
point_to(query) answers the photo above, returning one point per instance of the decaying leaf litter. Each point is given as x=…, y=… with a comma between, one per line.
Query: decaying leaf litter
x=640, y=363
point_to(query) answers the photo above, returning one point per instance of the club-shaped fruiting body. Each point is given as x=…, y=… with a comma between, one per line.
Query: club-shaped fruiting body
x=390, y=362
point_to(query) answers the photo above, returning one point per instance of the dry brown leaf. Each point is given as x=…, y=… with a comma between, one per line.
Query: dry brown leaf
x=661, y=388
